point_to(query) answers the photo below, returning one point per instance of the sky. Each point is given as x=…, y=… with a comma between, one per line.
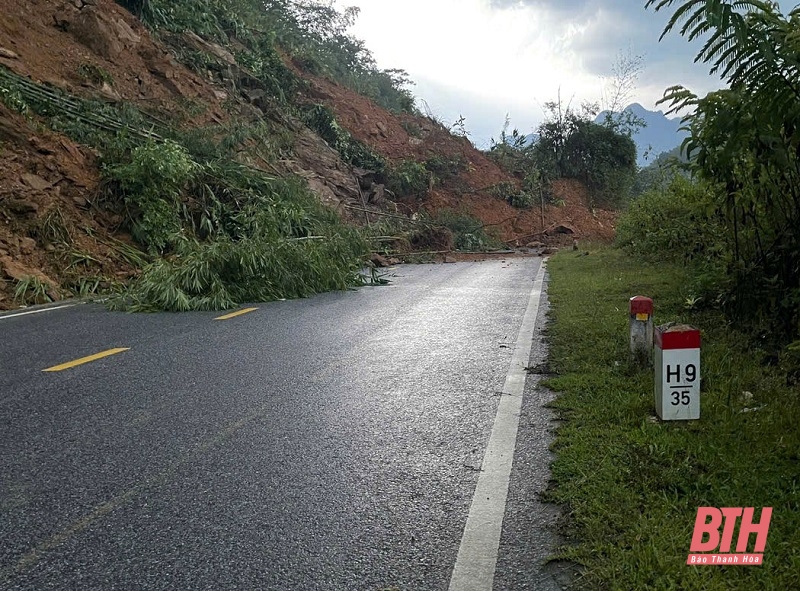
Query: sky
x=487, y=59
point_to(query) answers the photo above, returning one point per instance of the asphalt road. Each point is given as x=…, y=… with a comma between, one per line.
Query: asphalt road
x=331, y=443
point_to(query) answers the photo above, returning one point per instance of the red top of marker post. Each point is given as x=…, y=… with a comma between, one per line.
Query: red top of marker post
x=677, y=337
x=641, y=305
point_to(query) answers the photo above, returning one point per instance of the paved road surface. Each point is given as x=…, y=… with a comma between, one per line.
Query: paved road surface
x=332, y=443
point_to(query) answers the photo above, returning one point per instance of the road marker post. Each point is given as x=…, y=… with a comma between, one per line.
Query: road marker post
x=677, y=369
x=640, y=310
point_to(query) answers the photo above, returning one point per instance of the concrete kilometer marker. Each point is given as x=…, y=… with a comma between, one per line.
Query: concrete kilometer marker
x=677, y=364
x=640, y=310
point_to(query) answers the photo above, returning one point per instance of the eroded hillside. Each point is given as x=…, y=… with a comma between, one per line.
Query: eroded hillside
x=71, y=72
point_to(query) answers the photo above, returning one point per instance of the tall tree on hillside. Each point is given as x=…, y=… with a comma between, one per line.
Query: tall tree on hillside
x=618, y=93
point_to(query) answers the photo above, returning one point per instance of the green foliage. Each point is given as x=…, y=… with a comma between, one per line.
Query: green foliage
x=12, y=98
x=31, y=290
x=658, y=175
x=631, y=485
x=94, y=74
x=54, y=229
x=313, y=33
x=241, y=235
x=603, y=159
x=445, y=168
x=321, y=120
x=218, y=275
x=150, y=184
x=570, y=145
x=409, y=178
x=468, y=232
x=512, y=152
x=680, y=225
x=508, y=191
x=745, y=139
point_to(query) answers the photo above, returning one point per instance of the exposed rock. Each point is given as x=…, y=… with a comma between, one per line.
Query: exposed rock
x=8, y=54
x=327, y=175
x=377, y=194
x=22, y=206
x=559, y=229
x=20, y=272
x=27, y=245
x=380, y=129
x=34, y=181
x=323, y=192
x=200, y=44
x=95, y=32
x=378, y=260
x=108, y=92
x=98, y=30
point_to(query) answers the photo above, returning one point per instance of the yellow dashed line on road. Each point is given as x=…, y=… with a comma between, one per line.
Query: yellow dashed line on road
x=83, y=360
x=237, y=313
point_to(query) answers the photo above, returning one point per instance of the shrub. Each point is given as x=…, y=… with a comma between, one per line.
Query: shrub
x=321, y=120
x=680, y=224
x=444, y=168
x=468, y=231
x=508, y=191
x=150, y=184
x=409, y=178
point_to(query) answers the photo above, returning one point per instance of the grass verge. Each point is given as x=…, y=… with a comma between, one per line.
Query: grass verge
x=631, y=485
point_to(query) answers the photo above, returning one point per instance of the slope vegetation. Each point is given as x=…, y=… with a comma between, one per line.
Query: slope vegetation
x=193, y=167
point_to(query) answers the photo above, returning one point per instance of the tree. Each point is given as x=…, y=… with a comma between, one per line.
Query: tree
x=618, y=93
x=571, y=145
x=745, y=140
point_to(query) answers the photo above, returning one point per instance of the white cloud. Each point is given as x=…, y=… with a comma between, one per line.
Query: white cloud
x=485, y=58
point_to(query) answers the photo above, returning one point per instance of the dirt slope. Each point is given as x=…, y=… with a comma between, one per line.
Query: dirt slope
x=388, y=134
x=52, y=227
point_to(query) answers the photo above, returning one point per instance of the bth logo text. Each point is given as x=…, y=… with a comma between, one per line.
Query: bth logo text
x=710, y=546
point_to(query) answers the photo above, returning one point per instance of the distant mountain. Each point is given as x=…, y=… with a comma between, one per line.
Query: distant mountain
x=661, y=133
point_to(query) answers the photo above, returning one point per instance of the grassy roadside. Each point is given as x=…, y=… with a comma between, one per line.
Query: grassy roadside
x=631, y=485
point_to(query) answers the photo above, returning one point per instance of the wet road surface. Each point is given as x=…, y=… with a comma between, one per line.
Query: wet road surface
x=331, y=443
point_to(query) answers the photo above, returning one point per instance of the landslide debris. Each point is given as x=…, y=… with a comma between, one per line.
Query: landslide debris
x=86, y=90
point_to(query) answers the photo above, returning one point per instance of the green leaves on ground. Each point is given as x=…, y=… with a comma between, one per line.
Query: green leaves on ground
x=229, y=233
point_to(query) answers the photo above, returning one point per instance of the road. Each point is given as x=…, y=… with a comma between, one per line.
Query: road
x=331, y=443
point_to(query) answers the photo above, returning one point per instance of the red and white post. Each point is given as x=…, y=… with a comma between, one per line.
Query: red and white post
x=640, y=311
x=677, y=364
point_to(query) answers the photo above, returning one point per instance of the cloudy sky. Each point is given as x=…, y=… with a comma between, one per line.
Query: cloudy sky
x=483, y=59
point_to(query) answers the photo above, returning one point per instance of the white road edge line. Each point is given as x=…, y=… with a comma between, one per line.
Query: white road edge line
x=477, y=555
x=36, y=311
